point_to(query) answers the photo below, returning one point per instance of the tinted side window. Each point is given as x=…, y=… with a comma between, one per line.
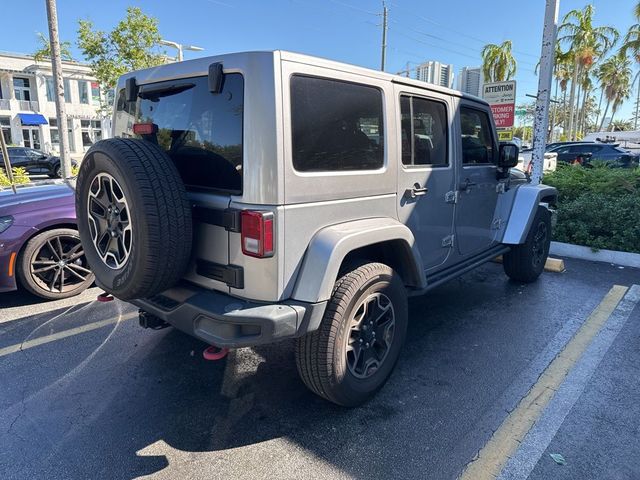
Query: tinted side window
x=477, y=139
x=424, y=132
x=335, y=125
x=199, y=130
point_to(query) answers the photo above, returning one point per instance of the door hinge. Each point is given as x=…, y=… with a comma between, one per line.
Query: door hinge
x=451, y=196
x=448, y=241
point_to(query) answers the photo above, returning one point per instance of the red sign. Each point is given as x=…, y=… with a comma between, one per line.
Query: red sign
x=503, y=114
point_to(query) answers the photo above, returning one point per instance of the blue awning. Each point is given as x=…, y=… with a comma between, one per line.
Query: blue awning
x=32, y=119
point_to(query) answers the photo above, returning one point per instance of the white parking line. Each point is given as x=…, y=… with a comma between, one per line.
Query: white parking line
x=506, y=440
x=540, y=436
x=64, y=334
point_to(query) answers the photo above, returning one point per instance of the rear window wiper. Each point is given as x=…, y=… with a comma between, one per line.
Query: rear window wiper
x=163, y=90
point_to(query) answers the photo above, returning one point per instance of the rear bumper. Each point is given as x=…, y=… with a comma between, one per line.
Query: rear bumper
x=226, y=321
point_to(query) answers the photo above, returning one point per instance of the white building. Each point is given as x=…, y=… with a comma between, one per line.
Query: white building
x=471, y=80
x=436, y=73
x=28, y=111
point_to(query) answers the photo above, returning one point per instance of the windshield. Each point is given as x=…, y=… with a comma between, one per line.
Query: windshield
x=200, y=131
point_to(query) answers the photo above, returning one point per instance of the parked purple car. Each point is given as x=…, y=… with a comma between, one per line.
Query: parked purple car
x=39, y=242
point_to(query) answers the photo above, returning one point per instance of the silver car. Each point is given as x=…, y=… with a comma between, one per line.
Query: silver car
x=259, y=196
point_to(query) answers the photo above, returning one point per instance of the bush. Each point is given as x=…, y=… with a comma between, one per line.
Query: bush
x=598, y=207
x=19, y=176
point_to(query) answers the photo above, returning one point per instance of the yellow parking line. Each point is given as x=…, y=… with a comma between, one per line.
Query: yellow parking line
x=505, y=441
x=64, y=334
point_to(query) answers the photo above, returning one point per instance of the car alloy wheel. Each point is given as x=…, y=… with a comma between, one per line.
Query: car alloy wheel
x=539, y=243
x=59, y=265
x=109, y=221
x=370, y=335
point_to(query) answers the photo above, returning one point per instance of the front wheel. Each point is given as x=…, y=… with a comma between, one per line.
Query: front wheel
x=525, y=262
x=350, y=357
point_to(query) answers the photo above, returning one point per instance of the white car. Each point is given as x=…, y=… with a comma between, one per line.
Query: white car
x=549, y=165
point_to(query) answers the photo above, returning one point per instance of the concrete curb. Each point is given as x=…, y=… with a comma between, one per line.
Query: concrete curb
x=585, y=253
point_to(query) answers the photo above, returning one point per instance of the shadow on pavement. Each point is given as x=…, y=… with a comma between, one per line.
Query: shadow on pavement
x=134, y=402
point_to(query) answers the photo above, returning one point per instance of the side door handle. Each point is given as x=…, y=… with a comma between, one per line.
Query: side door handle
x=466, y=185
x=416, y=191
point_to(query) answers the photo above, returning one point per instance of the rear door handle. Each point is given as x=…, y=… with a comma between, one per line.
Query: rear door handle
x=416, y=191
x=466, y=185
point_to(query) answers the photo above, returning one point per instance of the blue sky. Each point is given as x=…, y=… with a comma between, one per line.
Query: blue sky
x=453, y=31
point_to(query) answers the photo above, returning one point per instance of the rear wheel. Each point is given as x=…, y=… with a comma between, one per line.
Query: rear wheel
x=525, y=263
x=350, y=357
x=53, y=265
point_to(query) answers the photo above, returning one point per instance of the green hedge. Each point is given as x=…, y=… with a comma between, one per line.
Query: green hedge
x=598, y=207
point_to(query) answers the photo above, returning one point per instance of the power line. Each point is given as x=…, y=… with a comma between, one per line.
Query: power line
x=449, y=29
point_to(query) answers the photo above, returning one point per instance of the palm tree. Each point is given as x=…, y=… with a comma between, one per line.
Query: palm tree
x=631, y=45
x=587, y=44
x=498, y=63
x=615, y=80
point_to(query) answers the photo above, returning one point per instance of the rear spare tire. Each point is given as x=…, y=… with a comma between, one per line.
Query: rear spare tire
x=134, y=217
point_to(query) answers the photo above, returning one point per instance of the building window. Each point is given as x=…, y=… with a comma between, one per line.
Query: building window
x=83, y=89
x=5, y=126
x=22, y=89
x=91, y=132
x=67, y=90
x=95, y=93
x=51, y=92
x=55, y=133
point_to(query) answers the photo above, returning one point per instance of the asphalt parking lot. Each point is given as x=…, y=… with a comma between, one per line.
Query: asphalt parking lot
x=87, y=393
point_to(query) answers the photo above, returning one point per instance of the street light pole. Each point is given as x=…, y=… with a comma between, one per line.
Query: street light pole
x=385, y=26
x=541, y=119
x=58, y=85
x=180, y=47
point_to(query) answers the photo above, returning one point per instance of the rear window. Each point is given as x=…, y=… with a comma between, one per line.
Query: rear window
x=199, y=130
x=336, y=125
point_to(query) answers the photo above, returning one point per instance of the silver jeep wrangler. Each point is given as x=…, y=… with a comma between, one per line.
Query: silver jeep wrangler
x=253, y=197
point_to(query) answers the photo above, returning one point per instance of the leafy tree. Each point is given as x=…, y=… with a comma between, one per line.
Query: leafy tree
x=615, y=78
x=498, y=63
x=621, y=125
x=44, y=51
x=132, y=44
x=631, y=45
x=587, y=44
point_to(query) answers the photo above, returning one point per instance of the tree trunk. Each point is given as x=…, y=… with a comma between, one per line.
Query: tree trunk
x=576, y=114
x=604, y=116
x=599, y=106
x=583, y=112
x=572, y=98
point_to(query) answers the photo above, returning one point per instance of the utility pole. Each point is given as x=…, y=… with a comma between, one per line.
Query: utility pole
x=635, y=118
x=385, y=26
x=58, y=85
x=541, y=119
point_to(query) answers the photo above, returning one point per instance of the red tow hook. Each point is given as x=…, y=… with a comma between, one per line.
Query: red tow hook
x=214, y=353
x=105, y=297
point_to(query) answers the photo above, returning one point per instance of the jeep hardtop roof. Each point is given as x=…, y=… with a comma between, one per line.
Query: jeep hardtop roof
x=200, y=66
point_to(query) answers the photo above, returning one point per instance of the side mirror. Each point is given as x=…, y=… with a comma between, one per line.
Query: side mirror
x=508, y=155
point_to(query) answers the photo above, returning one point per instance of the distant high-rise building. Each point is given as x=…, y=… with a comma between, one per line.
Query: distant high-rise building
x=435, y=72
x=471, y=80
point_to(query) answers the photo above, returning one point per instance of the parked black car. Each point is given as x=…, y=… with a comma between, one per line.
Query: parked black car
x=35, y=162
x=589, y=152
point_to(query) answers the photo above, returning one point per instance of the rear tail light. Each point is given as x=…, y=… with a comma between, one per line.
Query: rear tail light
x=145, y=128
x=257, y=233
